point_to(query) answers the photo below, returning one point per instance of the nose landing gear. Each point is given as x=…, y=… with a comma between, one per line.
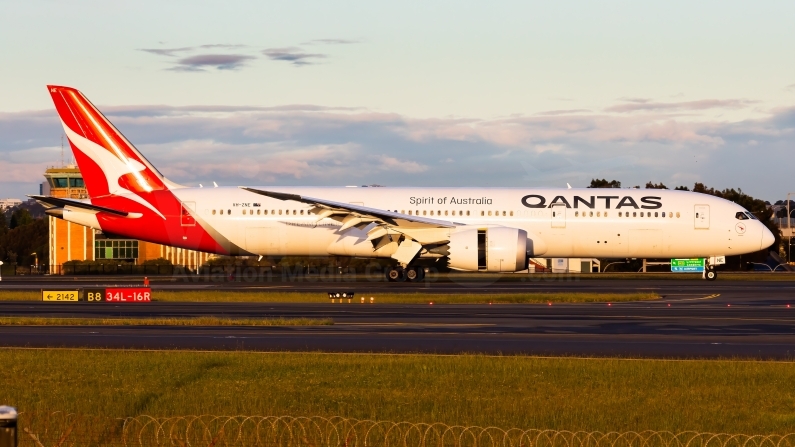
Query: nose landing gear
x=710, y=274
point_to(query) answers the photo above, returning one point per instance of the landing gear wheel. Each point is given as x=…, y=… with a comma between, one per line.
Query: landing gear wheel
x=395, y=274
x=711, y=275
x=415, y=274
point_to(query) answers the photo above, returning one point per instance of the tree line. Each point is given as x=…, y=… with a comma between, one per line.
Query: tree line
x=22, y=235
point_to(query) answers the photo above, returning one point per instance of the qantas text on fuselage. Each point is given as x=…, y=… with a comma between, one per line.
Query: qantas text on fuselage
x=477, y=229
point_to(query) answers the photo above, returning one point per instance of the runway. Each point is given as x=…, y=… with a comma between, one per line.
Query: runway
x=745, y=319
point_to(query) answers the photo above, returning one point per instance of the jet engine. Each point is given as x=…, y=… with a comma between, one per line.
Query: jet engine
x=493, y=249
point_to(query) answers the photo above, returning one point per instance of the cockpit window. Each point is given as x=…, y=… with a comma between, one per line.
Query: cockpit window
x=741, y=216
x=750, y=216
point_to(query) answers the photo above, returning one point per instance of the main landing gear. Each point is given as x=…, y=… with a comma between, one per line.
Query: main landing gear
x=412, y=274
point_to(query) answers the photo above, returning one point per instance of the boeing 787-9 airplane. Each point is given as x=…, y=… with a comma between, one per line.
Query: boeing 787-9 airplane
x=473, y=229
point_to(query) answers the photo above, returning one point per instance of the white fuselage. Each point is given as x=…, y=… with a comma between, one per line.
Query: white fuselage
x=607, y=223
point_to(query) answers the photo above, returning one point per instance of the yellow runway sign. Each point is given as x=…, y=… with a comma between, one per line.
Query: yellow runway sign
x=59, y=295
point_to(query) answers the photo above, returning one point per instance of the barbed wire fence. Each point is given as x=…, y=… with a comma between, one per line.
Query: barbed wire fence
x=65, y=430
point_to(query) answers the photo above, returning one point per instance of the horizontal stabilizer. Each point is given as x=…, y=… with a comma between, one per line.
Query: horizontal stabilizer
x=62, y=203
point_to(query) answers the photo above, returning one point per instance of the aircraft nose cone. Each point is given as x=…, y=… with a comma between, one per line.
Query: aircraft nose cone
x=767, y=238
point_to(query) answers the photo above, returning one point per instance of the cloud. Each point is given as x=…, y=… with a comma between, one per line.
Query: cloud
x=639, y=104
x=170, y=52
x=316, y=145
x=790, y=87
x=331, y=42
x=173, y=52
x=295, y=55
x=393, y=164
x=563, y=112
x=199, y=62
x=219, y=61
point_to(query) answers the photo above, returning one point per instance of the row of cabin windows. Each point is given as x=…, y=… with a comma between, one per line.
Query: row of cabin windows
x=626, y=214
x=453, y=213
x=250, y=212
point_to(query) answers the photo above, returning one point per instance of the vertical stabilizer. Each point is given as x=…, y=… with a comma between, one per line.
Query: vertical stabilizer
x=110, y=164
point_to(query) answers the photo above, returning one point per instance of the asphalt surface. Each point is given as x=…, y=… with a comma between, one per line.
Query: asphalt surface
x=694, y=319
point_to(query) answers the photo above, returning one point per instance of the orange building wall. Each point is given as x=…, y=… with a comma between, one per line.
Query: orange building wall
x=70, y=241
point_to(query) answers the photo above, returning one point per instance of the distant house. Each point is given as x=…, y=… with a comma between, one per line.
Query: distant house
x=6, y=204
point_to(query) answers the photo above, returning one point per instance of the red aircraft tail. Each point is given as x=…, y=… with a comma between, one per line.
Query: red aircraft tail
x=110, y=164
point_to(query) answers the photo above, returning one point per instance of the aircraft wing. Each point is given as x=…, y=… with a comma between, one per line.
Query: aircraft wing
x=61, y=203
x=356, y=215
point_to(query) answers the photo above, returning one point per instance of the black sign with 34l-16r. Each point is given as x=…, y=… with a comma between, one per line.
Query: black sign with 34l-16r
x=119, y=295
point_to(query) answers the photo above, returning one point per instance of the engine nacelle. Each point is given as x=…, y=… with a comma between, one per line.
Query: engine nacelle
x=492, y=249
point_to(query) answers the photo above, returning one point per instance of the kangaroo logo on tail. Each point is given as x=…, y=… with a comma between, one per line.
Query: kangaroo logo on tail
x=110, y=164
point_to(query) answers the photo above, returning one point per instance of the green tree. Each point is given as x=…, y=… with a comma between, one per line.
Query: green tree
x=19, y=244
x=650, y=185
x=682, y=188
x=20, y=217
x=603, y=183
x=3, y=224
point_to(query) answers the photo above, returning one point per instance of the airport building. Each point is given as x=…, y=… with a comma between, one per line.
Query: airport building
x=7, y=204
x=69, y=241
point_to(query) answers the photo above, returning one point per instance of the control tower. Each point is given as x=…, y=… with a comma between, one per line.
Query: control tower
x=66, y=182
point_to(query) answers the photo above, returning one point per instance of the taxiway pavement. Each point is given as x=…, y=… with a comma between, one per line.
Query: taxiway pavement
x=751, y=319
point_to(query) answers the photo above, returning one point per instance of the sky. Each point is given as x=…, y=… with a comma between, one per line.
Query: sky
x=413, y=93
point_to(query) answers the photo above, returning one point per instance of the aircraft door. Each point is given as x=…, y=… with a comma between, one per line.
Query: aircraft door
x=701, y=216
x=186, y=219
x=558, y=215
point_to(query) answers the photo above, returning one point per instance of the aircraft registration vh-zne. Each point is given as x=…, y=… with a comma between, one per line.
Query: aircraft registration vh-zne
x=472, y=229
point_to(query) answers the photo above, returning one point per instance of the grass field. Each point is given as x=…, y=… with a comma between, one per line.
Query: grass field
x=198, y=321
x=555, y=393
x=418, y=298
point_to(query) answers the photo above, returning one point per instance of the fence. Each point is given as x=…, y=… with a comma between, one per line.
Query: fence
x=91, y=269
x=263, y=272
x=64, y=430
